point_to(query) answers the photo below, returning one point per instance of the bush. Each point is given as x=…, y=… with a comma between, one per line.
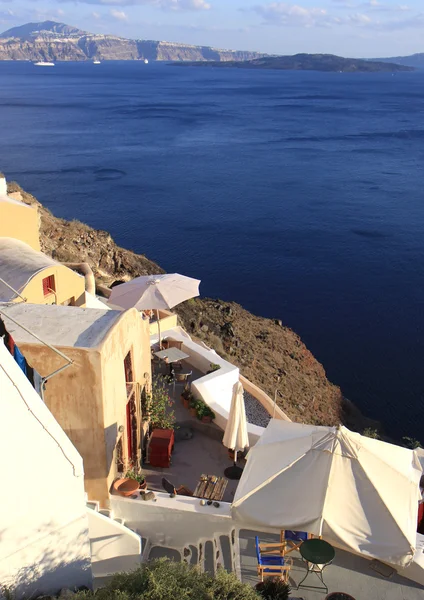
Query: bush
x=273, y=589
x=167, y=580
x=371, y=433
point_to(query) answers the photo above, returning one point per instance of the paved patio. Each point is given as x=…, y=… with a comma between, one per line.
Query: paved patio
x=348, y=573
x=202, y=453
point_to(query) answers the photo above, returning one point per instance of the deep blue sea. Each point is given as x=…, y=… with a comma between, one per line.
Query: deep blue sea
x=298, y=194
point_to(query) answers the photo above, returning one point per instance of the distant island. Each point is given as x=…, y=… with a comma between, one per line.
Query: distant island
x=307, y=62
x=414, y=60
x=52, y=41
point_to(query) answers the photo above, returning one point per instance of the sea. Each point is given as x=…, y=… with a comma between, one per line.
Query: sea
x=299, y=195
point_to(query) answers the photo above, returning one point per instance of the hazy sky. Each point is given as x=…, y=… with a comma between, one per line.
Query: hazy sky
x=345, y=27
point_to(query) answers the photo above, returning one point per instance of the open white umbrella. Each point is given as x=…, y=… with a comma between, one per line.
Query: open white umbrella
x=359, y=493
x=235, y=436
x=155, y=292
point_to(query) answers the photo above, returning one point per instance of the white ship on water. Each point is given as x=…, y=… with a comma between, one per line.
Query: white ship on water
x=96, y=62
x=146, y=62
x=41, y=63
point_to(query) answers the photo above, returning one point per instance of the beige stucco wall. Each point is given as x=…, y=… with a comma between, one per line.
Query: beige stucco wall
x=89, y=398
x=75, y=398
x=130, y=334
x=68, y=285
x=20, y=222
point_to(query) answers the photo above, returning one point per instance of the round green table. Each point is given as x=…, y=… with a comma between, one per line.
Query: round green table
x=317, y=554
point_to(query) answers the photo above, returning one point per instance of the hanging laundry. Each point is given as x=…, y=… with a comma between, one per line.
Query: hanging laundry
x=38, y=382
x=20, y=359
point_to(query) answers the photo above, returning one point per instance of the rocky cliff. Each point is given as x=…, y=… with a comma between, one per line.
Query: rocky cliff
x=51, y=41
x=269, y=354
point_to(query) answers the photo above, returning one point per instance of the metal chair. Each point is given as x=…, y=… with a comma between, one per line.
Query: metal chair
x=180, y=379
x=271, y=560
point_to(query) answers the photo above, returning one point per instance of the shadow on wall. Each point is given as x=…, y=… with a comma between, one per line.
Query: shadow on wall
x=51, y=571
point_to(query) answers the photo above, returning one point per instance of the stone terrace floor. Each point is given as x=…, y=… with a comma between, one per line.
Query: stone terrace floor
x=203, y=453
x=348, y=573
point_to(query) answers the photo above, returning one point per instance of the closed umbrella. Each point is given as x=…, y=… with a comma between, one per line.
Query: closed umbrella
x=155, y=292
x=235, y=436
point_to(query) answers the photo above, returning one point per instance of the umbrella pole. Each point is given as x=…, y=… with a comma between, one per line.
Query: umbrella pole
x=233, y=472
x=157, y=317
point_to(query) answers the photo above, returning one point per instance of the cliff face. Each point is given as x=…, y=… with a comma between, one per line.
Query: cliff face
x=269, y=354
x=58, y=42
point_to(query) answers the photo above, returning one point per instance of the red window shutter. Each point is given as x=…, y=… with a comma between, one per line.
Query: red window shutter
x=48, y=285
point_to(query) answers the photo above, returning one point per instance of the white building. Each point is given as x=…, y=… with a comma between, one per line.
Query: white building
x=44, y=541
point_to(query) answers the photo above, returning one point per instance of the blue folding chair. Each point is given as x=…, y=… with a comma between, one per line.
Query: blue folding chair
x=271, y=561
x=294, y=539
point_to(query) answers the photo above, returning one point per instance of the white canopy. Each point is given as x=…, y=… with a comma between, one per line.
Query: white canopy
x=162, y=291
x=358, y=492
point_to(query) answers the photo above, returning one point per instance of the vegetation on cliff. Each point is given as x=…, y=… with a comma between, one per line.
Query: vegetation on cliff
x=270, y=355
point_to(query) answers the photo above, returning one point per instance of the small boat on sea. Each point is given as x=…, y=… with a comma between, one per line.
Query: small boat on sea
x=96, y=62
x=41, y=63
x=146, y=62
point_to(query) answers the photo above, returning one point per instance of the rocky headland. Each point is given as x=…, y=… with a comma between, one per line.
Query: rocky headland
x=269, y=354
x=51, y=41
x=307, y=62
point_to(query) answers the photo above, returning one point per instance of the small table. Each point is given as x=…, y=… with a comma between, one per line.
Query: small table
x=211, y=487
x=171, y=355
x=319, y=554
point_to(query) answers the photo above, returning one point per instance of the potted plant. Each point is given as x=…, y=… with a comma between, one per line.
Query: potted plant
x=193, y=407
x=208, y=415
x=204, y=413
x=159, y=405
x=186, y=397
x=273, y=588
x=139, y=477
x=213, y=367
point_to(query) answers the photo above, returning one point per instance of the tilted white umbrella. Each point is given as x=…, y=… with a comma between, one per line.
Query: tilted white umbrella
x=235, y=436
x=155, y=292
x=359, y=493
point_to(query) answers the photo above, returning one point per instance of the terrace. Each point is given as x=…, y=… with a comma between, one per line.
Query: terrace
x=181, y=528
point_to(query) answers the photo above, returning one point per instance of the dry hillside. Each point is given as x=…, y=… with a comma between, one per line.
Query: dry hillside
x=269, y=354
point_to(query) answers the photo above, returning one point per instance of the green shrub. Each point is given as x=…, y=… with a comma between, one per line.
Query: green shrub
x=410, y=442
x=167, y=580
x=226, y=586
x=371, y=433
x=273, y=589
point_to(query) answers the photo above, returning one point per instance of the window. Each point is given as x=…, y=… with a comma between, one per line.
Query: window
x=48, y=285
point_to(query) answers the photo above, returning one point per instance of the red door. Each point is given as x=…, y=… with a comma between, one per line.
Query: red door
x=129, y=432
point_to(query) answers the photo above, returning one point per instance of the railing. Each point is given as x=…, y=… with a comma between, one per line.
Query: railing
x=272, y=409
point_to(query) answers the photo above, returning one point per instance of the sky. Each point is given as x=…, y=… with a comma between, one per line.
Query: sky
x=356, y=28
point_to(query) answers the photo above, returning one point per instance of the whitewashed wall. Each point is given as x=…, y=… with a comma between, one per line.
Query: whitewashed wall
x=216, y=389
x=114, y=547
x=3, y=186
x=174, y=522
x=44, y=543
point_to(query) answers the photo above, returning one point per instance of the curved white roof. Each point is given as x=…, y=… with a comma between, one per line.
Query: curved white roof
x=18, y=265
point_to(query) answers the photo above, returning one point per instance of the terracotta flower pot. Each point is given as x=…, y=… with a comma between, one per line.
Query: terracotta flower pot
x=125, y=487
x=186, y=403
x=193, y=412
